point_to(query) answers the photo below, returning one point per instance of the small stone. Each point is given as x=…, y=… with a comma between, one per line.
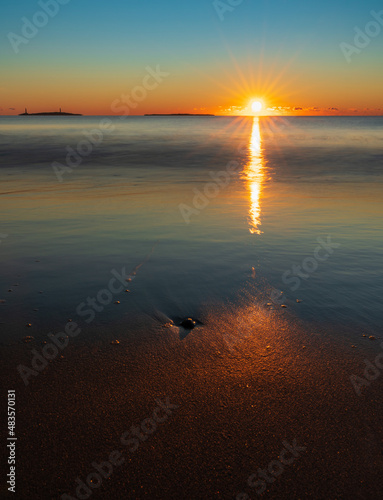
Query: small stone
x=371, y=337
x=128, y=279
x=28, y=338
x=353, y=346
x=69, y=321
x=298, y=301
x=115, y=342
x=2, y=301
x=268, y=347
x=117, y=302
x=44, y=342
x=284, y=306
x=28, y=325
x=269, y=304
x=188, y=323
x=41, y=291
x=364, y=335
x=127, y=291
x=10, y=290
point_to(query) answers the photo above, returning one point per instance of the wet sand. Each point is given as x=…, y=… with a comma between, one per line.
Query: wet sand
x=239, y=397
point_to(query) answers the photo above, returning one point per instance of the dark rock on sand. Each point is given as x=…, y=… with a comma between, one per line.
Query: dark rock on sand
x=188, y=323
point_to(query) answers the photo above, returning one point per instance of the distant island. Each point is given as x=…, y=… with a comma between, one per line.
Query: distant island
x=177, y=114
x=53, y=113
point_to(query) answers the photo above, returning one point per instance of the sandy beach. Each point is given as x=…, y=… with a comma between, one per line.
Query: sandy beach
x=229, y=409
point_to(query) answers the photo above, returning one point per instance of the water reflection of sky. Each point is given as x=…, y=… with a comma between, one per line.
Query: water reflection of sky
x=254, y=174
x=109, y=211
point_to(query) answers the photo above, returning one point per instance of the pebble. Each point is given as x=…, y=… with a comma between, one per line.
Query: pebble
x=69, y=321
x=28, y=339
x=188, y=323
x=299, y=301
x=128, y=279
x=114, y=342
x=10, y=290
x=127, y=291
x=364, y=335
x=2, y=301
x=28, y=325
x=117, y=302
x=269, y=304
x=371, y=337
x=283, y=305
x=353, y=346
x=41, y=291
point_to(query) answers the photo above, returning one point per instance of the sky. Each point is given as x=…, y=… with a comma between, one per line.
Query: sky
x=180, y=56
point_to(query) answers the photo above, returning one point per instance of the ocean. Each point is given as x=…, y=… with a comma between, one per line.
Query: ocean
x=215, y=209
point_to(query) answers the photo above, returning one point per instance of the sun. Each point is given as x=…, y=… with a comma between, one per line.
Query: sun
x=256, y=106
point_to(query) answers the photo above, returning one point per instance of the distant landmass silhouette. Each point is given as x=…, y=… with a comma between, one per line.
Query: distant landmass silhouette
x=53, y=113
x=177, y=114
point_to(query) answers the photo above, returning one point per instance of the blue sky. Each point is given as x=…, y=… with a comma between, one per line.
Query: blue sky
x=120, y=38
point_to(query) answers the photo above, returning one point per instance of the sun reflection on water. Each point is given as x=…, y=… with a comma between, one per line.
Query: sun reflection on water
x=254, y=175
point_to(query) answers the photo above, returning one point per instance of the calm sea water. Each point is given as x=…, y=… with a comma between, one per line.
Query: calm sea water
x=202, y=210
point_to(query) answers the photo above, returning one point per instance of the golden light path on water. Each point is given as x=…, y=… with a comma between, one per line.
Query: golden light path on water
x=255, y=175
